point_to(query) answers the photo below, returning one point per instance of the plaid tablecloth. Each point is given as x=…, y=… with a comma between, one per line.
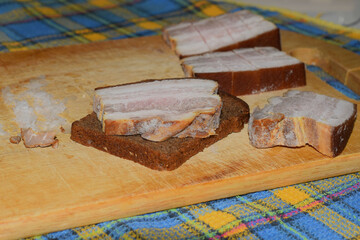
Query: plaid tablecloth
x=325, y=209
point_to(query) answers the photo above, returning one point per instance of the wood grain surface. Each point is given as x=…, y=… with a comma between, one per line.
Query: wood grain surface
x=341, y=64
x=46, y=189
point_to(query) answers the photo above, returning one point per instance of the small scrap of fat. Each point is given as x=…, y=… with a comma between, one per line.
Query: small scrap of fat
x=33, y=139
x=15, y=139
x=36, y=113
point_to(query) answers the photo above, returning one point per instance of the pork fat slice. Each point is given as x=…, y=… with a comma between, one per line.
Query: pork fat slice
x=248, y=70
x=246, y=59
x=231, y=30
x=160, y=109
x=300, y=118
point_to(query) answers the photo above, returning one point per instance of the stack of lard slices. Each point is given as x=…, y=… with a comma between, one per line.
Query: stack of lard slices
x=300, y=118
x=224, y=32
x=248, y=70
x=160, y=109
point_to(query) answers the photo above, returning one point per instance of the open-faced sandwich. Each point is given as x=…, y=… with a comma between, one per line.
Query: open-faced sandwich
x=160, y=123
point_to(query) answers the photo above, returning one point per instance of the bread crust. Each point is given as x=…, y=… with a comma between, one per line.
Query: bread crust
x=166, y=155
x=251, y=82
x=224, y=79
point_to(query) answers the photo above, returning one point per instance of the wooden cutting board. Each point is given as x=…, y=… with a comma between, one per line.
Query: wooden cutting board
x=46, y=189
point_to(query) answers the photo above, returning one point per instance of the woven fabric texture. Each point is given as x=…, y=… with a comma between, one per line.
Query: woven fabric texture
x=324, y=209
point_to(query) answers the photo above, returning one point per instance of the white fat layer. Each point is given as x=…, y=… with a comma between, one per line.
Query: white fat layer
x=115, y=96
x=240, y=33
x=208, y=69
x=246, y=59
x=196, y=47
x=217, y=40
x=176, y=27
x=261, y=27
x=321, y=108
x=192, y=36
x=166, y=100
x=249, y=53
x=270, y=51
x=213, y=39
x=274, y=62
x=164, y=106
x=164, y=85
x=249, y=18
x=169, y=99
x=164, y=115
x=217, y=32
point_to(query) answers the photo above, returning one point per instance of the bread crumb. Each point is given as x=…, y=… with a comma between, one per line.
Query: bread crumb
x=15, y=139
x=55, y=144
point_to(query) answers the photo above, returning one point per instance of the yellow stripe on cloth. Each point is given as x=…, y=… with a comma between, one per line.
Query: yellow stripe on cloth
x=102, y=3
x=91, y=232
x=146, y=24
x=217, y=219
x=291, y=195
x=94, y=37
x=149, y=25
x=210, y=10
x=14, y=46
x=226, y=224
x=90, y=35
x=336, y=222
x=48, y=12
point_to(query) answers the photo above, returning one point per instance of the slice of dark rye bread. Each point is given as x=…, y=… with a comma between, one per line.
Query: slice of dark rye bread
x=166, y=155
